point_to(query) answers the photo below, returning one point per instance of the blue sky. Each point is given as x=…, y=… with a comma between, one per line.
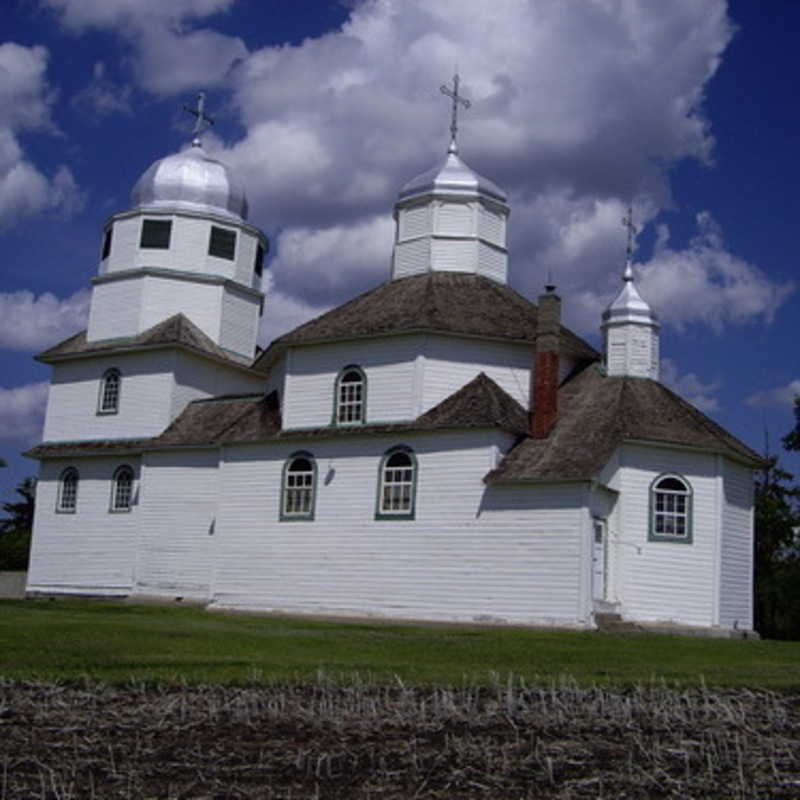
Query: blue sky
x=686, y=109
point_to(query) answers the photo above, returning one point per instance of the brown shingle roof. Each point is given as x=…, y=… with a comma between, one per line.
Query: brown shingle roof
x=92, y=447
x=176, y=330
x=597, y=414
x=441, y=302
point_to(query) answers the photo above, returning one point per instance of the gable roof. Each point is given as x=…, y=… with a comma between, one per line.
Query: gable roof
x=597, y=414
x=439, y=302
x=176, y=330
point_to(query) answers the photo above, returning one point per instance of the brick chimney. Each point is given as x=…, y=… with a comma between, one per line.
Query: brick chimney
x=544, y=381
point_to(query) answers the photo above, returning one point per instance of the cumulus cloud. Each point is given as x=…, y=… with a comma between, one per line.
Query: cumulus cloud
x=102, y=95
x=25, y=102
x=170, y=54
x=780, y=396
x=690, y=387
x=282, y=313
x=22, y=412
x=29, y=323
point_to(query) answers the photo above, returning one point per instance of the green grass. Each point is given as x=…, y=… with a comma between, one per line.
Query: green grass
x=115, y=642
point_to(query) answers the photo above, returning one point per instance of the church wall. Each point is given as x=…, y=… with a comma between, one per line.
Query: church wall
x=663, y=581
x=736, y=578
x=471, y=553
x=115, y=310
x=200, y=302
x=239, y=324
x=144, y=405
x=197, y=377
x=178, y=532
x=312, y=371
x=93, y=550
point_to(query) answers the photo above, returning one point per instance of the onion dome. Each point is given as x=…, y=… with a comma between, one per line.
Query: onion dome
x=191, y=181
x=451, y=177
x=629, y=305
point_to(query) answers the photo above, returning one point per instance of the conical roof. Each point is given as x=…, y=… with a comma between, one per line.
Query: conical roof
x=629, y=306
x=191, y=181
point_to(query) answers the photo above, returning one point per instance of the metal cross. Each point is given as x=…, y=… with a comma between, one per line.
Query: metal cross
x=202, y=120
x=627, y=222
x=456, y=98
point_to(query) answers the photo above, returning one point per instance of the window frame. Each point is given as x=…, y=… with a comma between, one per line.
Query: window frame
x=108, y=237
x=218, y=231
x=114, y=507
x=111, y=372
x=164, y=224
x=687, y=514
x=382, y=513
x=308, y=514
x=72, y=474
x=337, y=400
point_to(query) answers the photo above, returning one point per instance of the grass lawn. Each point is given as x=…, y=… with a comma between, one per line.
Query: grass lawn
x=115, y=642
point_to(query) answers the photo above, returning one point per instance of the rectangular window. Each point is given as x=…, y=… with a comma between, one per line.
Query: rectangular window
x=106, y=245
x=259, y=265
x=222, y=243
x=156, y=234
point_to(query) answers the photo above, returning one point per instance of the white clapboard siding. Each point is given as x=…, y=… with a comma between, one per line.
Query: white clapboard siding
x=197, y=378
x=91, y=551
x=492, y=262
x=200, y=302
x=239, y=323
x=470, y=554
x=736, y=578
x=115, y=309
x=144, y=403
x=492, y=226
x=178, y=530
x=415, y=221
x=455, y=219
x=454, y=255
x=450, y=362
x=666, y=581
x=412, y=257
x=312, y=371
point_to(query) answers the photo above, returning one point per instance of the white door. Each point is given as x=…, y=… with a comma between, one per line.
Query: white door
x=599, y=560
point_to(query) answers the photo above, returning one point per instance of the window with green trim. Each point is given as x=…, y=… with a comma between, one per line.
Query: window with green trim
x=156, y=234
x=298, y=492
x=222, y=243
x=670, y=509
x=397, y=487
x=110, y=385
x=350, y=404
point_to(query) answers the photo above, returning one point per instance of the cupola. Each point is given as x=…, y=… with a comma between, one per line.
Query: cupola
x=450, y=218
x=630, y=328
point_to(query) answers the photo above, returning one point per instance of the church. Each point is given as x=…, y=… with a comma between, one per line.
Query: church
x=439, y=448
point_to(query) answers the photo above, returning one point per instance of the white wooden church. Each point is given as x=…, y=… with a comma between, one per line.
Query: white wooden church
x=439, y=448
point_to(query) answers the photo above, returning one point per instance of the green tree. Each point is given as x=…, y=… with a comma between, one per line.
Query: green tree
x=15, y=529
x=792, y=439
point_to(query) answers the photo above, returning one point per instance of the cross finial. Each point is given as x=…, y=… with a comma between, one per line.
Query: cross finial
x=457, y=99
x=202, y=120
x=627, y=222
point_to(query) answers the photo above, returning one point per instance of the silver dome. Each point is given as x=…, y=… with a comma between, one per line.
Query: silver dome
x=191, y=181
x=451, y=177
x=629, y=306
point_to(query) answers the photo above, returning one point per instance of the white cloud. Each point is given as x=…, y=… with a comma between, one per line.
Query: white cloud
x=170, y=55
x=781, y=396
x=690, y=387
x=102, y=95
x=25, y=101
x=283, y=313
x=22, y=411
x=30, y=323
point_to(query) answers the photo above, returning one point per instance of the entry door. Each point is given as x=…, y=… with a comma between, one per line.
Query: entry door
x=599, y=560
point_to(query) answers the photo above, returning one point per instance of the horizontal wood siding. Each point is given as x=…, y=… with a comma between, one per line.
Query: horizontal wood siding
x=178, y=533
x=451, y=362
x=415, y=221
x=239, y=322
x=492, y=263
x=454, y=255
x=144, y=403
x=736, y=578
x=389, y=367
x=412, y=257
x=468, y=555
x=200, y=302
x=115, y=309
x=455, y=219
x=91, y=551
x=491, y=226
x=665, y=581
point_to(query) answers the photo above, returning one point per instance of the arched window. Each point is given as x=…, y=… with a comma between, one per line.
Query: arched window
x=110, y=385
x=670, y=509
x=299, y=487
x=397, y=484
x=122, y=489
x=67, y=501
x=350, y=403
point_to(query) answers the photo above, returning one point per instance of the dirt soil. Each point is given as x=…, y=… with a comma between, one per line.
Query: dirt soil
x=360, y=741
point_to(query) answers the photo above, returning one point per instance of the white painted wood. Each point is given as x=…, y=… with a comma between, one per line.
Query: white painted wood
x=736, y=564
x=178, y=524
x=472, y=553
x=492, y=226
x=115, y=310
x=414, y=221
x=455, y=218
x=411, y=257
x=632, y=349
x=91, y=551
x=239, y=323
x=454, y=255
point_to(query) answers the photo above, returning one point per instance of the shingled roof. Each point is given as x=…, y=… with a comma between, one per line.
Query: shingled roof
x=84, y=447
x=597, y=414
x=438, y=302
x=176, y=330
